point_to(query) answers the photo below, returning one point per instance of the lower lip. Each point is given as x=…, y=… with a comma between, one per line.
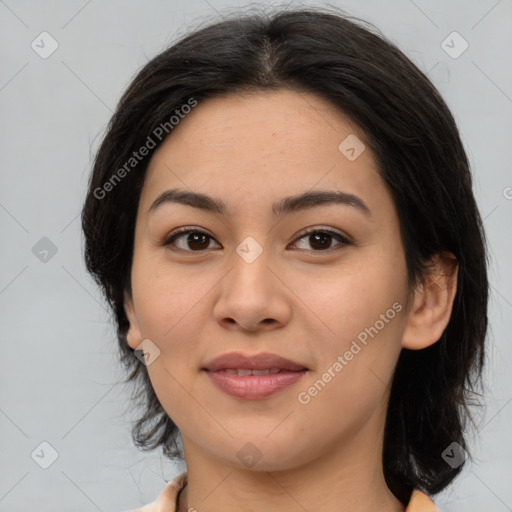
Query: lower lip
x=254, y=387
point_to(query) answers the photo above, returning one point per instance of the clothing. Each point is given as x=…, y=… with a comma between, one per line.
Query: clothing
x=167, y=501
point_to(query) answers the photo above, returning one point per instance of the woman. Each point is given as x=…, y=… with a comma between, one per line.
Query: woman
x=281, y=217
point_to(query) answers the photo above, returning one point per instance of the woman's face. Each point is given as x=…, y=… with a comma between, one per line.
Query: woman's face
x=252, y=281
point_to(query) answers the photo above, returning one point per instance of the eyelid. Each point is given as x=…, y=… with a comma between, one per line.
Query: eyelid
x=175, y=234
x=325, y=229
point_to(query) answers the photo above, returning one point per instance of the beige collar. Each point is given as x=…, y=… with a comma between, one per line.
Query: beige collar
x=167, y=501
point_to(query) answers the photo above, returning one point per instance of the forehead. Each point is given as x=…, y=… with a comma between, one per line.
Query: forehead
x=264, y=145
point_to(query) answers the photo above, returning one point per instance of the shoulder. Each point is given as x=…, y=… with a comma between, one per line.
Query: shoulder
x=420, y=502
x=166, y=501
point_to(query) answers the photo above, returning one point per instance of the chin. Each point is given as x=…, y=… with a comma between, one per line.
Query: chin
x=259, y=453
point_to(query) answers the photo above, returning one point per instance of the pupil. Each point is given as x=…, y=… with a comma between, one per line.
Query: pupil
x=194, y=238
x=323, y=237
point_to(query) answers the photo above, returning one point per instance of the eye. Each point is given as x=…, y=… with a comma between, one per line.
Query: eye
x=194, y=240
x=321, y=239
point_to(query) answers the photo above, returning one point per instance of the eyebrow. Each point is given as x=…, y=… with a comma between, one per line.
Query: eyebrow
x=307, y=200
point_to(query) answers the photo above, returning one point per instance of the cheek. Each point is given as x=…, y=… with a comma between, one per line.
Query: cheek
x=346, y=299
x=168, y=298
x=170, y=314
x=351, y=380
x=360, y=312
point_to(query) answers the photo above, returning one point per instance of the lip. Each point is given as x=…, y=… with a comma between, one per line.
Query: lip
x=260, y=361
x=253, y=387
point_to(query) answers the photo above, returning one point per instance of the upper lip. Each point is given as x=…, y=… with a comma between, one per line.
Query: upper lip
x=261, y=361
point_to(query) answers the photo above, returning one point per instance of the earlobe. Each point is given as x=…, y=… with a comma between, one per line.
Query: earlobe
x=133, y=335
x=432, y=304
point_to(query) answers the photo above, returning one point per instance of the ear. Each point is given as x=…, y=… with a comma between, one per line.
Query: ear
x=432, y=304
x=133, y=335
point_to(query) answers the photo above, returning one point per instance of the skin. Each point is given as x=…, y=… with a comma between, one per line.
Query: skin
x=301, y=302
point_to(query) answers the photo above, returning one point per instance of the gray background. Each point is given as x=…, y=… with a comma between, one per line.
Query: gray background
x=59, y=376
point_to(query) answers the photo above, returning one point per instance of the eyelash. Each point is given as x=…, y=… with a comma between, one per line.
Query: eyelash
x=310, y=231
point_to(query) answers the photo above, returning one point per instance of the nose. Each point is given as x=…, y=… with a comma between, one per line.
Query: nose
x=252, y=297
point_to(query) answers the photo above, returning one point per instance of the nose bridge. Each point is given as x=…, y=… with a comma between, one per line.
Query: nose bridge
x=250, y=294
x=250, y=268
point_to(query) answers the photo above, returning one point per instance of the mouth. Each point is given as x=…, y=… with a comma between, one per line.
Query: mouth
x=262, y=361
x=243, y=372
x=253, y=377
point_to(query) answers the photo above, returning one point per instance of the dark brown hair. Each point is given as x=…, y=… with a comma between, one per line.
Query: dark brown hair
x=420, y=156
